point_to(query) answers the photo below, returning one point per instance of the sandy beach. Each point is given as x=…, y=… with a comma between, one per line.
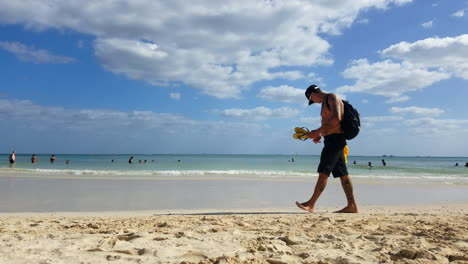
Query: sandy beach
x=424, y=234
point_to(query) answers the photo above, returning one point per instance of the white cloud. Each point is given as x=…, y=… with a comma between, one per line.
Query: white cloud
x=37, y=117
x=381, y=118
x=175, y=96
x=398, y=99
x=31, y=54
x=423, y=63
x=427, y=24
x=363, y=21
x=459, y=13
x=436, y=126
x=311, y=120
x=259, y=113
x=80, y=44
x=283, y=93
x=388, y=78
x=25, y=110
x=369, y=121
x=445, y=54
x=218, y=47
x=114, y=131
x=417, y=111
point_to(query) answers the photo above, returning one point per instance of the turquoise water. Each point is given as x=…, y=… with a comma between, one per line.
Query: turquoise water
x=439, y=169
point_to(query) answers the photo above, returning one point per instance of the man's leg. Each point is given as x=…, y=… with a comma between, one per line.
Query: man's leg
x=319, y=187
x=348, y=189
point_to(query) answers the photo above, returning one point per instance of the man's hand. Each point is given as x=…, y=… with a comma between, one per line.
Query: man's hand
x=317, y=139
x=314, y=134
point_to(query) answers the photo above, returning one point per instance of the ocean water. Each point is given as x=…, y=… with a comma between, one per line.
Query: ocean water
x=282, y=167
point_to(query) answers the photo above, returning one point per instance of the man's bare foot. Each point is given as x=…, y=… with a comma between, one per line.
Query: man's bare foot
x=348, y=210
x=305, y=207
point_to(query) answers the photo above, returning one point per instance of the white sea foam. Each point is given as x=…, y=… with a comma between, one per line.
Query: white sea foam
x=241, y=174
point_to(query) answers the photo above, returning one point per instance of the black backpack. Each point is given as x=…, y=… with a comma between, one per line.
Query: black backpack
x=350, y=123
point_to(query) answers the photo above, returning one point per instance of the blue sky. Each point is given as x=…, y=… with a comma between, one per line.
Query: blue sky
x=229, y=76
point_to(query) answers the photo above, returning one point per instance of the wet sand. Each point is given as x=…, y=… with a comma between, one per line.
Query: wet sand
x=58, y=194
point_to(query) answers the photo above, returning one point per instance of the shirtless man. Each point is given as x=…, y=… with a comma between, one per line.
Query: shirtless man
x=331, y=159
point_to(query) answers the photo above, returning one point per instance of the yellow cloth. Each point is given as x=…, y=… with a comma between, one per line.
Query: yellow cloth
x=345, y=153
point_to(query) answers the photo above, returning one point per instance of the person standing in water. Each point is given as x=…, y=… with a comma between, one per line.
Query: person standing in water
x=12, y=157
x=332, y=158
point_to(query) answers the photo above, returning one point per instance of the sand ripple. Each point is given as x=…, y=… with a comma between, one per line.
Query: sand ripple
x=381, y=237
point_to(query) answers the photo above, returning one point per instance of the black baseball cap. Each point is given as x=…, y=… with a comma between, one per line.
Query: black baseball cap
x=311, y=89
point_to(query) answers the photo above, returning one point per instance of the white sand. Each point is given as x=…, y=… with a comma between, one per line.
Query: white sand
x=429, y=234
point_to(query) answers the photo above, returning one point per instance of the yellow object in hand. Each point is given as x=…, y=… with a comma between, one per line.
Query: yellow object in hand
x=301, y=133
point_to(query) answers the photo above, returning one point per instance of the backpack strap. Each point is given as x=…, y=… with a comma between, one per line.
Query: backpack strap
x=326, y=101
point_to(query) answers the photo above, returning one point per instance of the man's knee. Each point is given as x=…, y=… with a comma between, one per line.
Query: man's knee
x=345, y=178
x=323, y=176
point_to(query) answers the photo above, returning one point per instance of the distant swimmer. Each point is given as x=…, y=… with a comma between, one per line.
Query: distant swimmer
x=67, y=162
x=466, y=165
x=456, y=164
x=130, y=160
x=384, y=163
x=369, y=164
x=354, y=162
x=34, y=158
x=52, y=159
x=113, y=161
x=12, y=157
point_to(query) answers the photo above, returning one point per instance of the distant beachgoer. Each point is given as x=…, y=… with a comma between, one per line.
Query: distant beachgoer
x=153, y=161
x=139, y=161
x=67, y=162
x=12, y=157
x=34, y=158
x=384, y=163
x=456, y=164
x=292, y=159
x=332, y=160
x=52, y=159
x=112, y=161
x=178, y=160
x=466, y=165
x=130, y=160
x=146, y=161
x=369, y=164
x=354, y=162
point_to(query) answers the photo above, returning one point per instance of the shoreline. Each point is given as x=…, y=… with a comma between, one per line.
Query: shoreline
x=85, y=195
x=436, y=208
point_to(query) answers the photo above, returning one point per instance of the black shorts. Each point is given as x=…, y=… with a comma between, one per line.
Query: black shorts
x=331, y=159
